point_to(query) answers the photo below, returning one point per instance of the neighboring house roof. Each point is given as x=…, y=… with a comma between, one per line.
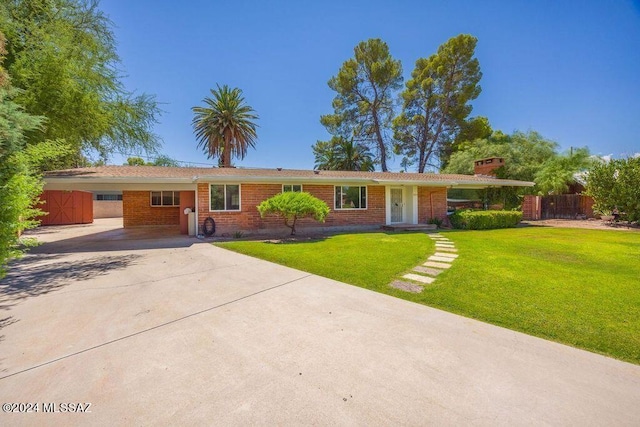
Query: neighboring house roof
x=159, y=174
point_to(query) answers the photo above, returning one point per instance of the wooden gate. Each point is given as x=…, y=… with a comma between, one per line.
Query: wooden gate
x=566, y=206
x=67, y=207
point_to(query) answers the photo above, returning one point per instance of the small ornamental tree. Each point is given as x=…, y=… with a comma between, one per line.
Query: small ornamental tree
x=292, y=206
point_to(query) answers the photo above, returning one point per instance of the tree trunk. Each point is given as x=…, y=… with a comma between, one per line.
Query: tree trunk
x=292, y=226
x=226, y=150
x=380, y=140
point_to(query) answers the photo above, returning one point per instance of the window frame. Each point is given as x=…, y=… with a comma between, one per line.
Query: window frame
x=224, y=197
x=366, y=199
x=109, y=197
x=162, y=205
x=292, y=190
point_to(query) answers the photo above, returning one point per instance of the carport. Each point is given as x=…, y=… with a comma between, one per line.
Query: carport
x=146, y=201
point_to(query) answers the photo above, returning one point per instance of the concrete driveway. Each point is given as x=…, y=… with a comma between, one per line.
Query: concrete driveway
x=173, y=331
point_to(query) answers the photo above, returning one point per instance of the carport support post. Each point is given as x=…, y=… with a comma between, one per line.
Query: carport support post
x=197, y=220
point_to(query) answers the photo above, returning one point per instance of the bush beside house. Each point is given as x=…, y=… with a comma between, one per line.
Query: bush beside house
x=485, y=220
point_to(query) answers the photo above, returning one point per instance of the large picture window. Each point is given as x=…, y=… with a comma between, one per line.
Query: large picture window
x=165, y=198
x=351, y=197
x=225, y=197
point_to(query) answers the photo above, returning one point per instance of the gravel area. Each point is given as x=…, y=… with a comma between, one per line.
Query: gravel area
x=582, y=223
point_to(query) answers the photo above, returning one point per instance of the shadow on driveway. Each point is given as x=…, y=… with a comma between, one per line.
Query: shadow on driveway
x=40, y=274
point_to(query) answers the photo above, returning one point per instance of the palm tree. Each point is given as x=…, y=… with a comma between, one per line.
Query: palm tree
x=225, y=127
x=343, y=154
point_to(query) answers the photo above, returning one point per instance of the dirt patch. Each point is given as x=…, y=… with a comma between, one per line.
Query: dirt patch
x=594, y=224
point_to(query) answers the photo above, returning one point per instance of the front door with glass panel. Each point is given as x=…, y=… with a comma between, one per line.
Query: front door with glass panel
x=396, y=204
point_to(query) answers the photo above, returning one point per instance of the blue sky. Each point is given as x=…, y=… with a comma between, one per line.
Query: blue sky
x=567, y=69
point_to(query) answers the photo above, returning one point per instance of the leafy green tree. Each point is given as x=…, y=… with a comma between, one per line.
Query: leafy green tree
x=616, y=184
x=342, y=154
x=225, y=127
x=62, y=55
x=363, y=106
x=436, y=102
x=523, y=153
x=471, y=130
x=325, y=155
x=164, y=160
x=558, y=172
x=291, y=206
x=135, y=161
x=20, y=183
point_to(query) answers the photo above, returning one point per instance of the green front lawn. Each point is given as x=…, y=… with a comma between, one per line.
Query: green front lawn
x=579, y=287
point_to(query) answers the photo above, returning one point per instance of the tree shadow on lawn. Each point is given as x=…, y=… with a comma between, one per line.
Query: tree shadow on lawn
x=40, y=274
x=295, y=240
x=321, y=237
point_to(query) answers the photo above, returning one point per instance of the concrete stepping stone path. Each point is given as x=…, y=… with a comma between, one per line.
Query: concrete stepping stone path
x=406, y=286
x=436, y=264
x=445, y=254
x=419, y=278
x=426, y=273
x=426, y=270
x=440, y=258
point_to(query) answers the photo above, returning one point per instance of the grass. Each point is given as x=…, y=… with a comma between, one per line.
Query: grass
x=575, y=286
x=362, y=259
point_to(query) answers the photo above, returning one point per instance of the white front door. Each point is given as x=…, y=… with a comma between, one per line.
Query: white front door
x=397, y=205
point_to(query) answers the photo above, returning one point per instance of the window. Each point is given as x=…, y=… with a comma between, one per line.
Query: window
x=108, y=196
x=165, y=198
x=351, y=197
x=296, y=188
x=225, y=197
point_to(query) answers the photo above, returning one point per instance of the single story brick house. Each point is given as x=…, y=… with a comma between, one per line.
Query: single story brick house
x=159, y=196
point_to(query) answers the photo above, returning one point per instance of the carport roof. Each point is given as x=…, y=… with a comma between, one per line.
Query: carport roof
x=158, y=174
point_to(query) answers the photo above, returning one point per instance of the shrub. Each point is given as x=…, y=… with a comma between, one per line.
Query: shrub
x=616, y=184
x=292, y=206
x=436, y=221
x=485, y=220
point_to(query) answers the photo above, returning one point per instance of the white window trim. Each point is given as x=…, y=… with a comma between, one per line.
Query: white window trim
x=350, y=209
x=161, y=205
x=291, y=185
x=225, y=197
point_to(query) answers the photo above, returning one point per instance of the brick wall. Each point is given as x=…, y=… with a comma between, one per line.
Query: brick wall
x=487, y=166
x=252, y=194
x=432, y=203
x=137, y=211
x=531, y=207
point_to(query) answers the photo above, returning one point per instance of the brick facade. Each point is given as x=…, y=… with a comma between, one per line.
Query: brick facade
x=251, y=195
x=487, y=166
x=432, y=203
x=137, y=211
x=531, y=207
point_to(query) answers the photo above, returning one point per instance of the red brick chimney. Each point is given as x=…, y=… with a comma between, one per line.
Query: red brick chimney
x=487, y=166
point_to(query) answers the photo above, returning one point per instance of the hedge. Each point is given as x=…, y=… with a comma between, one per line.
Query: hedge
x=485, y=220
